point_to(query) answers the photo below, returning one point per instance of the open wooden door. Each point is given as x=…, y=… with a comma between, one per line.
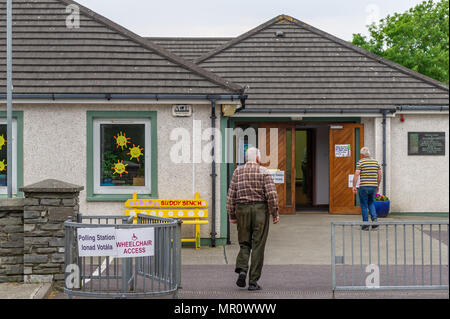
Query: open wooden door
x=346, y=140
x=284, y=162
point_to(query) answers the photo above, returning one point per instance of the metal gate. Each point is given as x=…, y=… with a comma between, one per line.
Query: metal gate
x=112, y=277
x=394, y=255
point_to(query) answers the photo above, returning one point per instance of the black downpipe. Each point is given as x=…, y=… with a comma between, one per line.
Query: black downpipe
x=384, y=152
x=213, y=173
x=228, y=169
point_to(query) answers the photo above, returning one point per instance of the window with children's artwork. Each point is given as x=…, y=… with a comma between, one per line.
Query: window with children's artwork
x=5, y=167
x=122, y=156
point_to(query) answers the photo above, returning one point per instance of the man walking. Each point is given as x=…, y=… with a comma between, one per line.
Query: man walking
x=251, y=198
x=369, y=172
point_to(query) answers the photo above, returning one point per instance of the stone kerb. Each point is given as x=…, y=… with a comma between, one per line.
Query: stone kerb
x=11, y=240
x=47, y=205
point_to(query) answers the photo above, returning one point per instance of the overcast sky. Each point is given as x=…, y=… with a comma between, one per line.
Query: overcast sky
x=230, y=18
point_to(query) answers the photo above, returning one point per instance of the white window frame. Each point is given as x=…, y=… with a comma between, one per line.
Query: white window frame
x=121, y=190
x=4, y=189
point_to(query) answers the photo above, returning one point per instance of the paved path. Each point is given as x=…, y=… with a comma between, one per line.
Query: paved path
x=297, y=264
x=24, y=291
x=305, y=239
x=278, y=282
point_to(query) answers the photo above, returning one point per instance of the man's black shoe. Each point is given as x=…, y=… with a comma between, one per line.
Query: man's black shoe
x=365, y=227
x=375, y=226
x=241, y=279
x=253, y=287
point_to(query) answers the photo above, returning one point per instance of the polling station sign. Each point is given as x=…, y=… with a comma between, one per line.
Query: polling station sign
x=112, y=242
x=97, y=242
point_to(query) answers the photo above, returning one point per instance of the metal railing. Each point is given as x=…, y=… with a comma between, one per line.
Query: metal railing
x=394, y=255
x=112, y=277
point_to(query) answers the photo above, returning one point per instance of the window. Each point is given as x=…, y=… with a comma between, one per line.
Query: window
x=121, y=154
x=4, y=167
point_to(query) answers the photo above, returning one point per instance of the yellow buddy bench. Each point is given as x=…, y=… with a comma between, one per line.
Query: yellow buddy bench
x=190, y=211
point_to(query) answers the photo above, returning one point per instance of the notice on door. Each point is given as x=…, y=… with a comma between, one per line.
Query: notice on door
x=122, y=243
x=277, y=176
x=342, y=150
x=350, y=181
x=96, y=242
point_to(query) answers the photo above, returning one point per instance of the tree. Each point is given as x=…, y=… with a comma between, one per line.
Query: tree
x=417, y=39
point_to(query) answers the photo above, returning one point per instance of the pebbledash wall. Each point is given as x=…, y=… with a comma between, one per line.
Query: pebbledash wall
x=419, y=183
x=57, y=150
x=415, y=184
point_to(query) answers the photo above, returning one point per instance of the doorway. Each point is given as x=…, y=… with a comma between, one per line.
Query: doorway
x=304, y=168
x=311, y=175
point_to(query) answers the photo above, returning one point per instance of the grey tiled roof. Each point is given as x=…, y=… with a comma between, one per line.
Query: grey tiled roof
x=98, y=57
x=308, y=68
x=189, y=48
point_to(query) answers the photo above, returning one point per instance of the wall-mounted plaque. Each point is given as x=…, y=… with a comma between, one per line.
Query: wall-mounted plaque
x=426, y=143
x=181, y=110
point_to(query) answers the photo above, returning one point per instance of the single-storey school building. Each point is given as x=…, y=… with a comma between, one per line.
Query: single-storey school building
x=323, y=92
x=99, y=106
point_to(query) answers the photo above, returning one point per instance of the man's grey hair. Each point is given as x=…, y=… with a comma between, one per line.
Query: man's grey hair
x=365, y=151
x=252, y=154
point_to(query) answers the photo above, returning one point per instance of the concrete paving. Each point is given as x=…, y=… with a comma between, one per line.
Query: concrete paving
x=305, y=239
x=298, y=261
x=24, y=291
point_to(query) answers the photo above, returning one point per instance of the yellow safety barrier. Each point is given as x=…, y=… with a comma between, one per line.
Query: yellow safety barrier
x=190, y=211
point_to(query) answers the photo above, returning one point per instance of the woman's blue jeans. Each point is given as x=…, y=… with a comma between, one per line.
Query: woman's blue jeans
x=366, y=201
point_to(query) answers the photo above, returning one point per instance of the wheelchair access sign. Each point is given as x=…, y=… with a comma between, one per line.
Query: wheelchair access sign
x=112, y=242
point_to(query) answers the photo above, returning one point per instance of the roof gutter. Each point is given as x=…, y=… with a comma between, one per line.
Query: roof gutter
x=439, y=108
x=109, y=97
x=305, y=111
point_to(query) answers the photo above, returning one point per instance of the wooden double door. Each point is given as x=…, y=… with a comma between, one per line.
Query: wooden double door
x=279, y=154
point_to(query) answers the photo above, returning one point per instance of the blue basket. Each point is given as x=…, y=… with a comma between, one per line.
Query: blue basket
x=382, y=208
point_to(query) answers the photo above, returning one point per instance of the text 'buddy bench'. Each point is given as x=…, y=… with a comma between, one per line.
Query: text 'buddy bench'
x=190, y=211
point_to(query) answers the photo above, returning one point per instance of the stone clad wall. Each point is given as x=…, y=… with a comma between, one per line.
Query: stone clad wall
x=44, y=216
x=32, y=235
x=11, y=240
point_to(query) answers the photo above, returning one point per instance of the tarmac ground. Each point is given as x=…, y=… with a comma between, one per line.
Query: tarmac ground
x=298, y=263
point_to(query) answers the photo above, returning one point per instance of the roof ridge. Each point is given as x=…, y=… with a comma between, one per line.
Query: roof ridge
x=370, y=55
x=149, y=45
x=284, y=17
x=189, y=38
x=238, y=39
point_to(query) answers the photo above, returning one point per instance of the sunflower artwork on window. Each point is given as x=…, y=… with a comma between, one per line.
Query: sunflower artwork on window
x=135, y=152
x=122, y=140
x=120, y=168
x=2, y=141
x=3, y=166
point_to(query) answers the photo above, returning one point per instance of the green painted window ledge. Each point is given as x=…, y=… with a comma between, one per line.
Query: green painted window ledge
x=116, y=198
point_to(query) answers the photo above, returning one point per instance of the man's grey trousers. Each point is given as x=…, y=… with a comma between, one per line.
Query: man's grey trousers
x=253, y=228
